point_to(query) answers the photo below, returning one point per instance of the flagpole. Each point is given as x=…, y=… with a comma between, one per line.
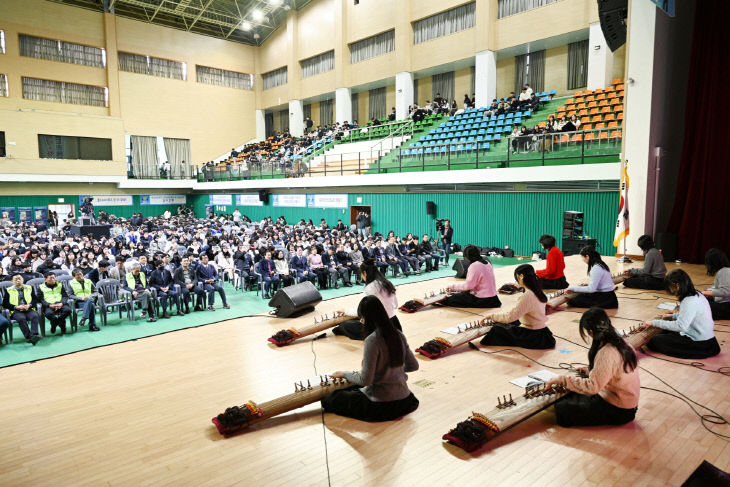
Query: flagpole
x=625, y=181
x=625, y=259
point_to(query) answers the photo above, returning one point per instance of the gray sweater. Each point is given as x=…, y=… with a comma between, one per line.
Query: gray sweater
x=382, y=382
x=721, y=288
x=653, y=265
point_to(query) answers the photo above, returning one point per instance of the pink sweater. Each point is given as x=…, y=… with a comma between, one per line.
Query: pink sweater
x=479, y=280
x=529, y=309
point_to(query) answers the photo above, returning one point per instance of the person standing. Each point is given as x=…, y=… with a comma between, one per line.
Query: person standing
x=447, y=232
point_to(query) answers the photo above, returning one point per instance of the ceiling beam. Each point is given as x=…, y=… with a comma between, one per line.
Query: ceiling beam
x=200, y=14
x=157, y=10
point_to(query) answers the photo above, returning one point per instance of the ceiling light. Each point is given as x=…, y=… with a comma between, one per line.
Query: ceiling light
x=257, y=15
x=245, y=25
x=275, y=2
x=256, y=36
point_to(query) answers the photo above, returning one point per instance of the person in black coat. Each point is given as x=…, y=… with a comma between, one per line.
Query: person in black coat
x=186, y=277
x=100, y=273
x=298, y=263
x=447, y=232
x=162, y=281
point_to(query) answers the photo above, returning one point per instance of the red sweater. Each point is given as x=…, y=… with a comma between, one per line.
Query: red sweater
x=555, y=265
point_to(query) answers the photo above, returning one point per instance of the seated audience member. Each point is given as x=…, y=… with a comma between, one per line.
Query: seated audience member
x=162, y=281
x=299, y=265
x=429, y=253
x=690, y=332
x=269, y=276
x=21, y=304
x=314, y=261
x=553, y=276
x=654, y=271
x=136, y=283
x=208, y=278
x=83, y=296
x=282, y=269
x=100, y=273
x=480, y=289
x=186, y=277
x=717, y=264
x=52, y=295
x=599, y=292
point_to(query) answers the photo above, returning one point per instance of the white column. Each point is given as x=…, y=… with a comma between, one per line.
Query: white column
x=403, y=94
x=260, y=125
x=637, y=115
x=343, y=105
x=485, y=78
x=296, y=118
x=600, y=59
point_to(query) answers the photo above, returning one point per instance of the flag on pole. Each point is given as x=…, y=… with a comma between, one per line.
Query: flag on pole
x=622, y=222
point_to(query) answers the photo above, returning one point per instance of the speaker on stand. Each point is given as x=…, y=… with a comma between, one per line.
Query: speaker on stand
x=264, y=196
x=296, y=299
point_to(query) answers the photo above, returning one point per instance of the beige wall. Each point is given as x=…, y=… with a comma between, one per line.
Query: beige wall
x=9, y=189
x=619, y=60
x=505, y=76
x=556, y=70
x=462, y=85
x=316, y=29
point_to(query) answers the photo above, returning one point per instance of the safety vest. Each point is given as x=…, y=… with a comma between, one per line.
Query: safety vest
x=52, y=295
x=130, y=280
x=78, y=291
x=13, y=296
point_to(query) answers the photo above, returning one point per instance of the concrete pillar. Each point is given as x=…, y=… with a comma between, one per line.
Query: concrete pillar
x=296, y=118
x=637, y=115
x=343, y=105
x=403, y=94
x=485, y=77
x=260, y=125
x=600, y=59
x=112, y=64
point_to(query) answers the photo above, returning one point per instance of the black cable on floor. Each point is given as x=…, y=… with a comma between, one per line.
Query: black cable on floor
x=561, y=365
x=324, y=427
x=724, y=370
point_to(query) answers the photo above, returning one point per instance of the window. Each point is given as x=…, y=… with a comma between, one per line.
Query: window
x=511, y=7
x=372, y=47
x=2, y=145
x=2, y=42
x=445, y=23
x=66, y=147
x=65, y=52
x=4, y=85
x=59, y=91
x=318, y=64
x=152, y=66
x=275, y=78
x=221, y=77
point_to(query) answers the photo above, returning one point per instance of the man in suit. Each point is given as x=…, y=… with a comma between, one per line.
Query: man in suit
x=117, y=272
x=335, y=268
x=299, y=264
x=187, y=279
x=409, y=256
x=429, y=253
x=100, y=273
x=270, y=278
x=161, y=280
x=208, y=276
x=395, y=258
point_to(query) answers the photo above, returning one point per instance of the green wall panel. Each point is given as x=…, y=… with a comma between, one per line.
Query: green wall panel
x=486, y=219
x=120, y=211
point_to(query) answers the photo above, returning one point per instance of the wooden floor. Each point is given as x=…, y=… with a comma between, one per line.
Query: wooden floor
x=139, y=413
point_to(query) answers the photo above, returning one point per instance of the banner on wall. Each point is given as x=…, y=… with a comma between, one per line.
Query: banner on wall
x=40, y=214
x=248, y=199
x=221, y=199
x=290, y=200
x=108, y=199
x=327, y=200
x=163, y=199
x=25, y=214
x=7, y=213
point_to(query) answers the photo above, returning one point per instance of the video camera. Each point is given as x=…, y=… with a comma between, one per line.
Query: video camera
x=440, y=224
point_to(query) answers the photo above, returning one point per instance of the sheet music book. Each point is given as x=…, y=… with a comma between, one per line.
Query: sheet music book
x=535, y=378
x=667, y=305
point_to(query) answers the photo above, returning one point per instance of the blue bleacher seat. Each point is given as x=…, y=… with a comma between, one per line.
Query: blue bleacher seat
x=485, y=146
x=490, y=131
x=553, y=92
x=497, y=137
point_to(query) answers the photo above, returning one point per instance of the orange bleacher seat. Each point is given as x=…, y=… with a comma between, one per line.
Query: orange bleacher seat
x=569, y=101
x=603, y=103
x=600, y=126
x=606, y=110
x=588, y=92
x=615, y=101
x=601, y=97
x=581, y=106
x=589, y=136
x=602, y=136
x=593, y=104
x=579, y=99
x=578, y=93
x=609, y=117
x=597, y=118
x=561, y=109
x=569, y=107
x=620, y=91
x=618, y=108
x=542, y=124
x=617, y=81
x=612, y=125
x=609, y=90
x=616, y=134
x=571, y=113
x=597, y=91
x=612, y=96
x=583, y=113
x=576, y=138
x=587, y=126
x=590, y=98
x=564, y=139
x=620, y=116
x=594, y=111
x=585, y=120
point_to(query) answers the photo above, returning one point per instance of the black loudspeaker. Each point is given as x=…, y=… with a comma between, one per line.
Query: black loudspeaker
x=430, y=208
x=612, y=14
x=667, y=243
x=293, y=299
x=264, y=196
x=461, y=266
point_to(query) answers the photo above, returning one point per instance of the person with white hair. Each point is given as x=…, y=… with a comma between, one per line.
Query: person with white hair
x=135, y=282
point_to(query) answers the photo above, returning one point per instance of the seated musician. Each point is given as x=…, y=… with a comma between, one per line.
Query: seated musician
x=599, y=292
x=553, y=276
x=654, y=271
x=376, y=284
x=530, y=308
x=480, y=289
x=718, y=265
x=379, y=391
x=689, y=333
x=609, y=395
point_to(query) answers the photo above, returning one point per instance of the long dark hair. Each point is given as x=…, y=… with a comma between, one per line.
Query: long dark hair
x=594, y=258
x=376, y=320
x=595, y=322
x=372, y=273
x=715, y=259
x=472, y=254
x=684, y=283
x=530, y=279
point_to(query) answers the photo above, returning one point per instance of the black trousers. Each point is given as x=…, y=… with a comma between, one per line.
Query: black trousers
x=605, y=300
x=23, y=317
x=580, y=410
x=720, y=311
x=514, y=335
x=187, y=292
x=645, y=281
x=354, y=329
x=560, y=283
x=675, y=345
x=351, y=402
x=468, y=300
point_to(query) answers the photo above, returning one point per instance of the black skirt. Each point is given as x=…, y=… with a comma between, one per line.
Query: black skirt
x=355, y=330
x=351, y=402
x=645, y=281
x=580, y=410
x=720, y=311
x=513, y=335
x=605, y=300
x=560, y=283
x=468, y=300
x=675, y=345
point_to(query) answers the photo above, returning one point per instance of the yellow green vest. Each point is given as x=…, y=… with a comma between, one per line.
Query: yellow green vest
x=52, y=295
x=130, y=280
x=81, y=293
x=13, y=295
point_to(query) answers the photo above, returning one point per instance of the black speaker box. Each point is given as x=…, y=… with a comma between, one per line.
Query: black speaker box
x=461, y=266
x=295, y=299
x=667, y=243
x=430, y=208
x=612, y=15
x=264, y=196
